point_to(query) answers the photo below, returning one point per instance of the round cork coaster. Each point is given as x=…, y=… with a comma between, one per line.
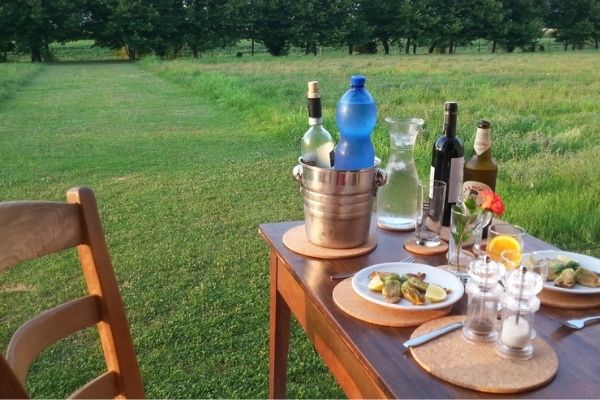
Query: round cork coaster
x=568, y=300
x=478, y=366
x=412, y=246
x=354, y=305
x=295, y=239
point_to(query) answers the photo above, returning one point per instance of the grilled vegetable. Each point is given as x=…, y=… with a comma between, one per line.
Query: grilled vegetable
x=412, y=294
x=392, y=291
x=566, y=279
x=587, y=278
x=421, y=286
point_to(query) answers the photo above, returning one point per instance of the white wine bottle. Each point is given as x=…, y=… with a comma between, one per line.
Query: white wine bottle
x=317, y=144
x=481, y=170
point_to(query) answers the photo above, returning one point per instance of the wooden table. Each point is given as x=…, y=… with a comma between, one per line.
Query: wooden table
x=368, y=360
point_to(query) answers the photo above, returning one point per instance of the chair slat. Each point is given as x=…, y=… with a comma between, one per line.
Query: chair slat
x=48, y=327
x=29, y=229
x=103, y=387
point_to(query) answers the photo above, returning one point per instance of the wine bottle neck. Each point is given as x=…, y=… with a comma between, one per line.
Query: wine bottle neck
x=483, y=142
x=450, y=124
x=315, y=116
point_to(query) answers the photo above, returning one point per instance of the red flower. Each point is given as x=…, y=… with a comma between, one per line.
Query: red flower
x=492, y=202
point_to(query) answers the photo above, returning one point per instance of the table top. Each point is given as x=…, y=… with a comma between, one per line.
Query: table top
x=381, y=347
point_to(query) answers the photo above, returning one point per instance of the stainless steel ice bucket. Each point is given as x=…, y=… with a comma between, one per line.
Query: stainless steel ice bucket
x=338, y=204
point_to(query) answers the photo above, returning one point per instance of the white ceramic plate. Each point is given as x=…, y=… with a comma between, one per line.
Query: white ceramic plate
x=438, y=276
x=591, y=263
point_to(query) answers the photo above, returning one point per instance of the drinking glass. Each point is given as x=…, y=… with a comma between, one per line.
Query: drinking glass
x=503, y=236
x=534, y=262
x=430, y=201
x=465, y=230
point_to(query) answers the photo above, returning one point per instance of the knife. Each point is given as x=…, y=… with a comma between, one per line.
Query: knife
x=426, y=337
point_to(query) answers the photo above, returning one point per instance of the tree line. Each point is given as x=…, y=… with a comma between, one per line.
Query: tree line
x=168, y=27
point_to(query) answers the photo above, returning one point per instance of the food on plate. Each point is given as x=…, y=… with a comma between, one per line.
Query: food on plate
x=412, y=294
x=435, y=293
x=376, y=283
x=418, y=284
x=566, y=279
x=412, y=287
x=565, y=272
x=392, y=290
x=586, y=277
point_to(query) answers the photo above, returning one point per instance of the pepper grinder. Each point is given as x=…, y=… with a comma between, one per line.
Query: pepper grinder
x=519, y=304
x=483, y=291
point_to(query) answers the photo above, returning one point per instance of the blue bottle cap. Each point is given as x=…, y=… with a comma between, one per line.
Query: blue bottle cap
x=358, y=80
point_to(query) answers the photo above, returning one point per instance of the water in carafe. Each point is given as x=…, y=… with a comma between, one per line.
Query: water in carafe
x=397, y=206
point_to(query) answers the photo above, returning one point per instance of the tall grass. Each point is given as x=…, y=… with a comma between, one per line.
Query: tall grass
x=544, y=109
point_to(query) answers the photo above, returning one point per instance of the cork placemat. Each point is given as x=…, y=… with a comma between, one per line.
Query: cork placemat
x=295, y=239
x=412, y=246
x=478, y=366
x=351, y=303
x=568, y=300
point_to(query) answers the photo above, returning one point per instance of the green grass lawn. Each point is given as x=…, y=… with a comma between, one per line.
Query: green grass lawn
x=187, y=158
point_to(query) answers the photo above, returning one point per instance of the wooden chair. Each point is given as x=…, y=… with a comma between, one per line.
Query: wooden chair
x=31, y=229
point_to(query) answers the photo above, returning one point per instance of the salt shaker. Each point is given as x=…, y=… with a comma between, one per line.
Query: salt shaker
x=483, y=291
x=519, y=304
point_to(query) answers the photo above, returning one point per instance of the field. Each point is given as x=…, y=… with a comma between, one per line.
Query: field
x=187, y=158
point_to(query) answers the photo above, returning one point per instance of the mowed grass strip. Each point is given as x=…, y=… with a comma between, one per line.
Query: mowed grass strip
x=182, y=185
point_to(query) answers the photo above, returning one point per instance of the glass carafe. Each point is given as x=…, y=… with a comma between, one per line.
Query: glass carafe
x=397, y=206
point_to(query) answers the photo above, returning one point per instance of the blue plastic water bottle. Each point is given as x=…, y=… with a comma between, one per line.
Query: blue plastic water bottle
x=355, y=117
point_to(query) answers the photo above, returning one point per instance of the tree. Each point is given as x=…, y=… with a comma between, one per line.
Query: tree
x=37, y=23
x=317, y=24
x=445, y=26
x=275, y=24
x=354, y=29
x=210, y=24
x=573, y=21
x=414, y=17
x=480, y=19
x=8, y=31
x=131, y=24
x=167, y=37
x=382, y=18
x=595, y=20
x=523, y=21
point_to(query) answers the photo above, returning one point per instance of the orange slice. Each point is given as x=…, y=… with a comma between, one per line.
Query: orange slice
x=503, y=243
x=511, y=259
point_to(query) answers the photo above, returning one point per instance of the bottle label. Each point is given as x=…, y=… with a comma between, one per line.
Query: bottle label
x=455, y=180
x=315, y=121
x=473, y=188
x=483, y=141
x=431, y=178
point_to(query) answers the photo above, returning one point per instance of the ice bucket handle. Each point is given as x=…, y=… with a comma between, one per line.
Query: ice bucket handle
x=380, y=180
x=297, y=173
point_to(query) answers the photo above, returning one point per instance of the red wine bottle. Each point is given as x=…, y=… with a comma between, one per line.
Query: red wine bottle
x=447, y=161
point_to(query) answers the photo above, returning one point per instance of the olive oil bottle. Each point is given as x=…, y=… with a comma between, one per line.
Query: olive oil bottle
x=481, y=169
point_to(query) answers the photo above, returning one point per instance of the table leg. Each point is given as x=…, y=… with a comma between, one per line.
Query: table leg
x=279, y=336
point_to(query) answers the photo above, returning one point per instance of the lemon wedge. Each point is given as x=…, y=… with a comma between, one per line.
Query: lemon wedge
x=435, y=293
x=375, y=284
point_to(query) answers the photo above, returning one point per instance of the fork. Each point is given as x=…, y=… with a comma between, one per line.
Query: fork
x=579, y=323
x=345, y=275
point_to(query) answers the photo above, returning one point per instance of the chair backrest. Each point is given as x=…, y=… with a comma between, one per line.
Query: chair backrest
x=31, y=229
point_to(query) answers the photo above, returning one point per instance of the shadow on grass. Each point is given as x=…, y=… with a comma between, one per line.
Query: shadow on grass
x=89, y=62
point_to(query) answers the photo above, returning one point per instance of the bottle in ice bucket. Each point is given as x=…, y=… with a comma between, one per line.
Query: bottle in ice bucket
x=317, y=143
x=355, y=117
